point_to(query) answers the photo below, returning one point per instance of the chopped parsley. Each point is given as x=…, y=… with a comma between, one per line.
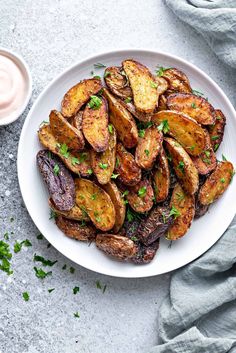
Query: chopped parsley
x=64, y=267
x=197, y=93
x=53, y=214
x=125, y=193
x=206, y=160
x=141, y=133
x=6, y=236
x=213, y=138
x=77, y=315
x=164, y=126
x=207, y=153
x=153, y=84
x=99, y=65
x=147, y=152
x=18, y=246
x=97, y=77
x=93, y=196
x=74, y=161
x=117, y=162
x=11, y=219
x=44, y=262
x=25, y=296
x=222, y=180
x=64, y=150
x=40, y=236
x=56, y=169
x=216, y=147
x=174, y=212
x=218, y=117
x=193, y=105
x=75, y=290
x=89, y=171
x=110, y=128
x=101, y=287
x=128, y=100
x=103, y=165
x=181, y=166
x=107, y=73
x=224, y=158
x=134, y=238
x=114, y=176
x=142, y=191
x=5, y=256
x=131, y=215
x=180, y=197
x=160, y=71
x=40, y=273
x=72, y=270
x=51, y=290
x=95, y=102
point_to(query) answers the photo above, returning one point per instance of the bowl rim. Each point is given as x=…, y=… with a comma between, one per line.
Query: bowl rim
x=128, y=52
x=20, y=61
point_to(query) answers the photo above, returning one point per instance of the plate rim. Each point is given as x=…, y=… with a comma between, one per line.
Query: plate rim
x=124, y=51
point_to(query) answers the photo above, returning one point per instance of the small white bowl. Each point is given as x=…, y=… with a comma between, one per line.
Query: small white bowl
x=20, y=62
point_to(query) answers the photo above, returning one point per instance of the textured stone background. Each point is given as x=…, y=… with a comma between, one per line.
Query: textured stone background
x=51, y=35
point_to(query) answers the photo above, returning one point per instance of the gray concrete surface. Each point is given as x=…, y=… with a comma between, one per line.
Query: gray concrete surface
x=51, y=35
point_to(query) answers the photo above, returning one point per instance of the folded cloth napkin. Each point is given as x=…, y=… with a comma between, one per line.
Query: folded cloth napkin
x=215, y=20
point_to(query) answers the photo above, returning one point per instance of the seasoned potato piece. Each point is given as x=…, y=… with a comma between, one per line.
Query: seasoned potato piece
x=118, y=246
x=200, y=210
x=184, y=204
x=94, y=126
x=183, y=166
x=161, y=177
x=148, y=147
x=162, y=85
x=177, y=81
x=103, y=163
x=140, y=196
x=162, y=103
x=122, y=120
x=74, y=213
x=75, y=229
x=78, y=95
x=64, y=132
x=118, y=203
x=96, y=202
x=143, y=86
x=184, y=129
x=146, y=253
x=139, y=115
x=206, y=161
x=76, y=121
x=77, y=162
x=216, y=184
x=117, y=82
x=126, y=167
x=216, y=131
x=196, y=107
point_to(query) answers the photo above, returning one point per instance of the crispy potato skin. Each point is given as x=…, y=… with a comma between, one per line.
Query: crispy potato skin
x=105, y=158
x=96, y=202
x=185, y=204
x=216, y=131
x=161, y=177
x=177, y=81
x=206, y=161
x=198, y=108
x=65, y=132
x=148, y=147
x=128, y=170
x=74, y=213
x=118, y=203
x=117, y=246
x=78, y=95
x=94, y=126
x=122, y=120
x=48, y=140
x=117, y=83
x=141, y=81
x=184, y=129
x=184, y=168
x=142, y=203
x=216, y=184
x=75, y=230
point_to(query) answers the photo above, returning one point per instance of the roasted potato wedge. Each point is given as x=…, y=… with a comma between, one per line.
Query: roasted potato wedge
x=184, y=168
x=161, y=177
x=96, y=202
x=143, y=86
x=118, y=203
x=95, y=126
x=148, y=147
x=184, y=129
x=139, y=115
x=117, y=82
x=162, y=103
x=162, y=85
x=58, y=180
x=206, y=161
x=122, y=120
x=128, y=170
x=74, y=213
x=64, y=132
x=216, y=184
x=198, y=108
x=146, y=253
x=177, y=81
x=140, y=196
x=103, y=163
x=78, y=95
x=76, y=121
x=216, y=131
x=117, y=246
x=75, y=229
x=184, y=204
x=77, y=162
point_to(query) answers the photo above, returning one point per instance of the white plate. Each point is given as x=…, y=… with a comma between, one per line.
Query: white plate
x=203, y=233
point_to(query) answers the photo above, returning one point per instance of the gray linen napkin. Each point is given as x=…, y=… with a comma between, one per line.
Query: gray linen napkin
x=215, y=20
x=199, y=316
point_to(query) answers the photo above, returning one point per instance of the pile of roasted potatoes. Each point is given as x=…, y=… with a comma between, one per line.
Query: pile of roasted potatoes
x=132, y=160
